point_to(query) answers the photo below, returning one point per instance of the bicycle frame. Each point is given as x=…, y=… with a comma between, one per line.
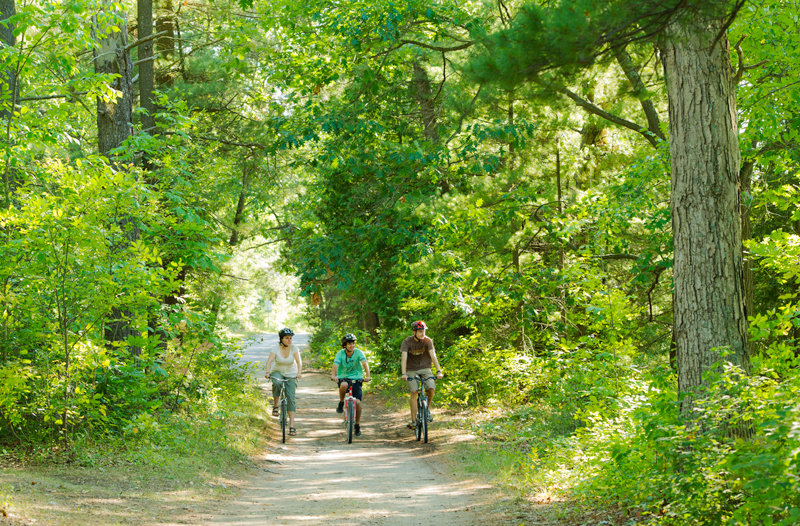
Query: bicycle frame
x=283, y=403
x=421, y=431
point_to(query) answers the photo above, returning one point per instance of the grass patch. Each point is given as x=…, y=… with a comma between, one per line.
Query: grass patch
x=170, y=467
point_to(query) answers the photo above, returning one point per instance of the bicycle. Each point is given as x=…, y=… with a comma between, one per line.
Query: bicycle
x=423, y=411
x=350, y=409
x=284, y=417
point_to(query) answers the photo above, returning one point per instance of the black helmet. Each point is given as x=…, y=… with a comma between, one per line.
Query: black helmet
x=284, y=332
x=418, y=326
x=349, y=337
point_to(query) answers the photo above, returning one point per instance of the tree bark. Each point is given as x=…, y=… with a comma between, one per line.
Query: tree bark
x=747, y=233
x=8, y=89
x=115, y=117
x=422, y=87
x=8, y=77
x=144, y=25
x=709, y=295
x=114, y=126
x=238, y=217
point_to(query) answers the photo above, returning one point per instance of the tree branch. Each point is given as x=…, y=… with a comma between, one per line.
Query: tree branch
x=640, y=91
x=595, y=110
x=463, y=116
x=437, y=48
x=742, y=68
x=222, y=141
x=146, y=39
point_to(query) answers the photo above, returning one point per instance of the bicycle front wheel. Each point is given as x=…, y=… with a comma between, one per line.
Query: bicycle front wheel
x=418, y=428
x=423, y=419
x=283, y=420
x=351, y=419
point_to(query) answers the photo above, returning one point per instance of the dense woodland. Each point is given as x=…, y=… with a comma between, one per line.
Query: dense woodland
x=593, y=205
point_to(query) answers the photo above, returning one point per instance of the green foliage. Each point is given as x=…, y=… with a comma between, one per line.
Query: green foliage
x=652, y=461
x=328, y=341
x=478, y=373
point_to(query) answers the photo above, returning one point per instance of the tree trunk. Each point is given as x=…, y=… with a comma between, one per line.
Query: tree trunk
x=8, y=78
x=144, y=25
x=238, y=217
x=114, y=126
x=115, y=117
x=709, y=295
x=422, y=90
x=747, y=233
x=8, y=89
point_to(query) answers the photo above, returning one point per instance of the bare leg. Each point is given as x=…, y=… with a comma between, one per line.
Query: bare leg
x=358, y=411
x=413, y=405
x=342, y=390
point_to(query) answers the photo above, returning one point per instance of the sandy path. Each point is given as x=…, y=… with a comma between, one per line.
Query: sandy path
x=384, y=477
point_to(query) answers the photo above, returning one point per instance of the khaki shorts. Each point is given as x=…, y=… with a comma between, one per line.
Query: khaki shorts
x=413, y=385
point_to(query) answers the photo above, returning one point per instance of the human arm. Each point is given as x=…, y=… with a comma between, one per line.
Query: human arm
x=299, y=362
x=403, y=362
x=435, y=361
x=270, y=359
x=365, y=365
x=334, y=368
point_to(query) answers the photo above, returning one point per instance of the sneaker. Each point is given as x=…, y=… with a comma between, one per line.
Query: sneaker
x=358, y=430
x=430, y=417
x=340, y=407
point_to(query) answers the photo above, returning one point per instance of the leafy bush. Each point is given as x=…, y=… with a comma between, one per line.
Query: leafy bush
x=478, y=371
x=651, y=460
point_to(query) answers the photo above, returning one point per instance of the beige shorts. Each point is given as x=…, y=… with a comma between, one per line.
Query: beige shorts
x=413, y=385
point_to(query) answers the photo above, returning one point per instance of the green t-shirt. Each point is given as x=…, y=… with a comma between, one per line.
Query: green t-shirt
x=350, y=367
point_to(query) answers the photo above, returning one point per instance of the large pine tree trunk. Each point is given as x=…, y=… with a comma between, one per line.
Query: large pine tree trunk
x=114, y=117
x=114, y=126
x=709, y=296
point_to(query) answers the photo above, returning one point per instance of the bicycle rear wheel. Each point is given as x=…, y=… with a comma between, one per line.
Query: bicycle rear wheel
x=423, y=419
x=351, y=419
x=283, y=420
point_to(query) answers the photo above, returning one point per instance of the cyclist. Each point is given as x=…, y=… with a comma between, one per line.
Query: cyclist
x=417, y=356
x=284, y=363
x=348, y=369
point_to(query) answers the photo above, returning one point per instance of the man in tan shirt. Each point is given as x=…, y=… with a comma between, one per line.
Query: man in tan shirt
x=418, y=355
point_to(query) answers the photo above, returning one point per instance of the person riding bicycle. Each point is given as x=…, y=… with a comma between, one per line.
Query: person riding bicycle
x=284, y=363
x=348, y=370
x=417, y=356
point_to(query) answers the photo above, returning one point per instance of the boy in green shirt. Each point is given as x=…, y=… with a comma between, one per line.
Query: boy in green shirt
x=348, y=369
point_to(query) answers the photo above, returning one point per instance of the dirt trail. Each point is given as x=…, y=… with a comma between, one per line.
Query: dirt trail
x=384, y=477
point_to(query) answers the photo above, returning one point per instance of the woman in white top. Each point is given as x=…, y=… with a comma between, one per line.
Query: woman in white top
x=284, y=363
